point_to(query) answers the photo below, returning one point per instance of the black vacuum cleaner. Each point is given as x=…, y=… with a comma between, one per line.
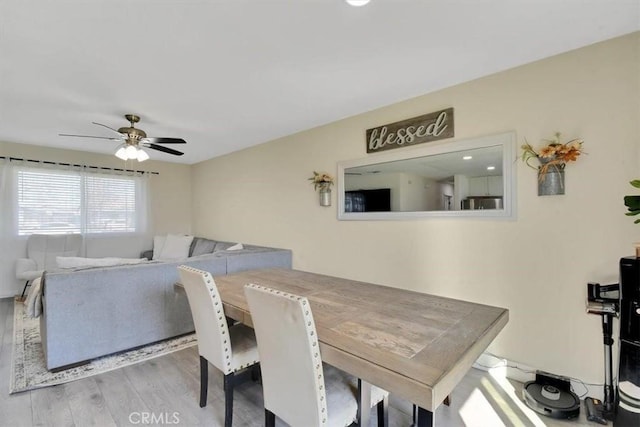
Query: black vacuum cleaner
x=604, y=300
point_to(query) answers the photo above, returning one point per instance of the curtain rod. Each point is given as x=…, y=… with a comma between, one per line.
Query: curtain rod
x=47, y=162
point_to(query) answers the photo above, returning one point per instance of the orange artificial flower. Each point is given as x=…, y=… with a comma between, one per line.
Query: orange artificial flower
x=555, y=154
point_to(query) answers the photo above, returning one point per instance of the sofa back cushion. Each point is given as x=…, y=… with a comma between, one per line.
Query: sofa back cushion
x=201, y=246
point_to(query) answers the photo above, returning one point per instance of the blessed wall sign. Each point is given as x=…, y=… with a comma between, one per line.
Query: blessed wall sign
x=427, y=128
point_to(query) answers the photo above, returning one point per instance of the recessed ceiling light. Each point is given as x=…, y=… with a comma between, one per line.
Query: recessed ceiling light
x=357, y=3
x=490, y=168
x=467, y=158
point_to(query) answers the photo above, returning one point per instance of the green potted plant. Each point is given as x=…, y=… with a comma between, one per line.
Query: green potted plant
x=633, y=202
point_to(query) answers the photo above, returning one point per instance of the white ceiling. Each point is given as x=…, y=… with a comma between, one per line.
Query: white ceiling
x=229, y=74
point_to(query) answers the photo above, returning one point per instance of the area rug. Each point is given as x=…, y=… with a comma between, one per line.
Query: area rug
x=28, y=370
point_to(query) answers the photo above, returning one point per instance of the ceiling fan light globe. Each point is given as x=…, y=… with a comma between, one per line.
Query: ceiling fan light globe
x=357, y=3
x=122, y=153
x=142, y=155
x=132, y=152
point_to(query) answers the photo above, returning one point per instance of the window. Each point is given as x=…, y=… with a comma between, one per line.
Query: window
x=55, y=202
x=110, y=204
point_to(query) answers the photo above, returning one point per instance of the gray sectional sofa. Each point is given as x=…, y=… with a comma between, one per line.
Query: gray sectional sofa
x=92, y=312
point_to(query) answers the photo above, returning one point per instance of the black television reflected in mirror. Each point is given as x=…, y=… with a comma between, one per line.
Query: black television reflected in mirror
x=377, y=200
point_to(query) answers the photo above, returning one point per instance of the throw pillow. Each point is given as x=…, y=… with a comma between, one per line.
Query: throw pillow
x=202, y=246
x=236, y=247
x=222, y=246
x=79, y=262
x=175, y=247
x=158, y=244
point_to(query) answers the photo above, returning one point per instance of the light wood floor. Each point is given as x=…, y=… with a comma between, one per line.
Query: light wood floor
x=168, y=387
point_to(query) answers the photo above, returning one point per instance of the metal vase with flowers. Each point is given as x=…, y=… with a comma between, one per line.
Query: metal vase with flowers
x=323, y=182
x=325, y=195
x=550, y=177
x=553, y=158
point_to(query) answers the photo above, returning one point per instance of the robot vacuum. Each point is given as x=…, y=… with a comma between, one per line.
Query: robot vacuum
x=551, y=396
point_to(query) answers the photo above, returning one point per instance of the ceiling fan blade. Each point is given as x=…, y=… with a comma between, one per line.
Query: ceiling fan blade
x=108, y=127
x=91, y=136
x=162, y=148
x=165, y=140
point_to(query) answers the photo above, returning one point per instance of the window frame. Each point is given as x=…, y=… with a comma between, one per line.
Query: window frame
x=139, y=211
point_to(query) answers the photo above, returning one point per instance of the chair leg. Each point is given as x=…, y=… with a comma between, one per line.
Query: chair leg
x=256, y=373
x=229, y=384
x=269, y=418
x=204, y=381
x=383, y=412
x=24, y=289
x=421, y=417
x=425, y=418
x=364, y=403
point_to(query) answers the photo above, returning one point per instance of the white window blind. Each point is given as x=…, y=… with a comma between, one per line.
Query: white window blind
x=110, y=204
x=48, y=202
x=55, y=202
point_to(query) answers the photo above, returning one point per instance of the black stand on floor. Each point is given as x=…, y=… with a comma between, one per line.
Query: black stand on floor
x=24, y=289
x=606, y=306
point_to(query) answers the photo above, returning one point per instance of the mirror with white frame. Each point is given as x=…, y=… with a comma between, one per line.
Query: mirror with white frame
x=467, y=178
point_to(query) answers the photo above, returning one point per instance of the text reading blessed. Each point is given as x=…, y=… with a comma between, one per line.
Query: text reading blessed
x=426, y=128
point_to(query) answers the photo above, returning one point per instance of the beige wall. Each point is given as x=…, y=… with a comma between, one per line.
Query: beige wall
x=536, y=266
x=170, y=203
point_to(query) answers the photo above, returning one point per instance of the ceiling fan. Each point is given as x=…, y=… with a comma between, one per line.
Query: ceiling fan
x=133, y=139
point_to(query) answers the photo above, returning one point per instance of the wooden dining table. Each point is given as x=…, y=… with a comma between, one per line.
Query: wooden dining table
x=415, y=345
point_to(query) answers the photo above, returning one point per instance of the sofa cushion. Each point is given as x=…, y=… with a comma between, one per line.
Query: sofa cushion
x=174, y=247
x=201, y=246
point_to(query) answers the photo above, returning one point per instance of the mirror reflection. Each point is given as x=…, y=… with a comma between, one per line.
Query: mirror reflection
x=466, y=178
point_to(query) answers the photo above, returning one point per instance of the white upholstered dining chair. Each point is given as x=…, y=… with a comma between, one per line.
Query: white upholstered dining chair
x=42, y=250
x=228, y=348
x=297, y=387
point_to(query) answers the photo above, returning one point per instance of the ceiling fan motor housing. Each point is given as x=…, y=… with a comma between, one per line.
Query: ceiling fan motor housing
x=133, y=135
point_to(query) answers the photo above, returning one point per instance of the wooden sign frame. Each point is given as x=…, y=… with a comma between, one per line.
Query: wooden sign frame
x=417, y=130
